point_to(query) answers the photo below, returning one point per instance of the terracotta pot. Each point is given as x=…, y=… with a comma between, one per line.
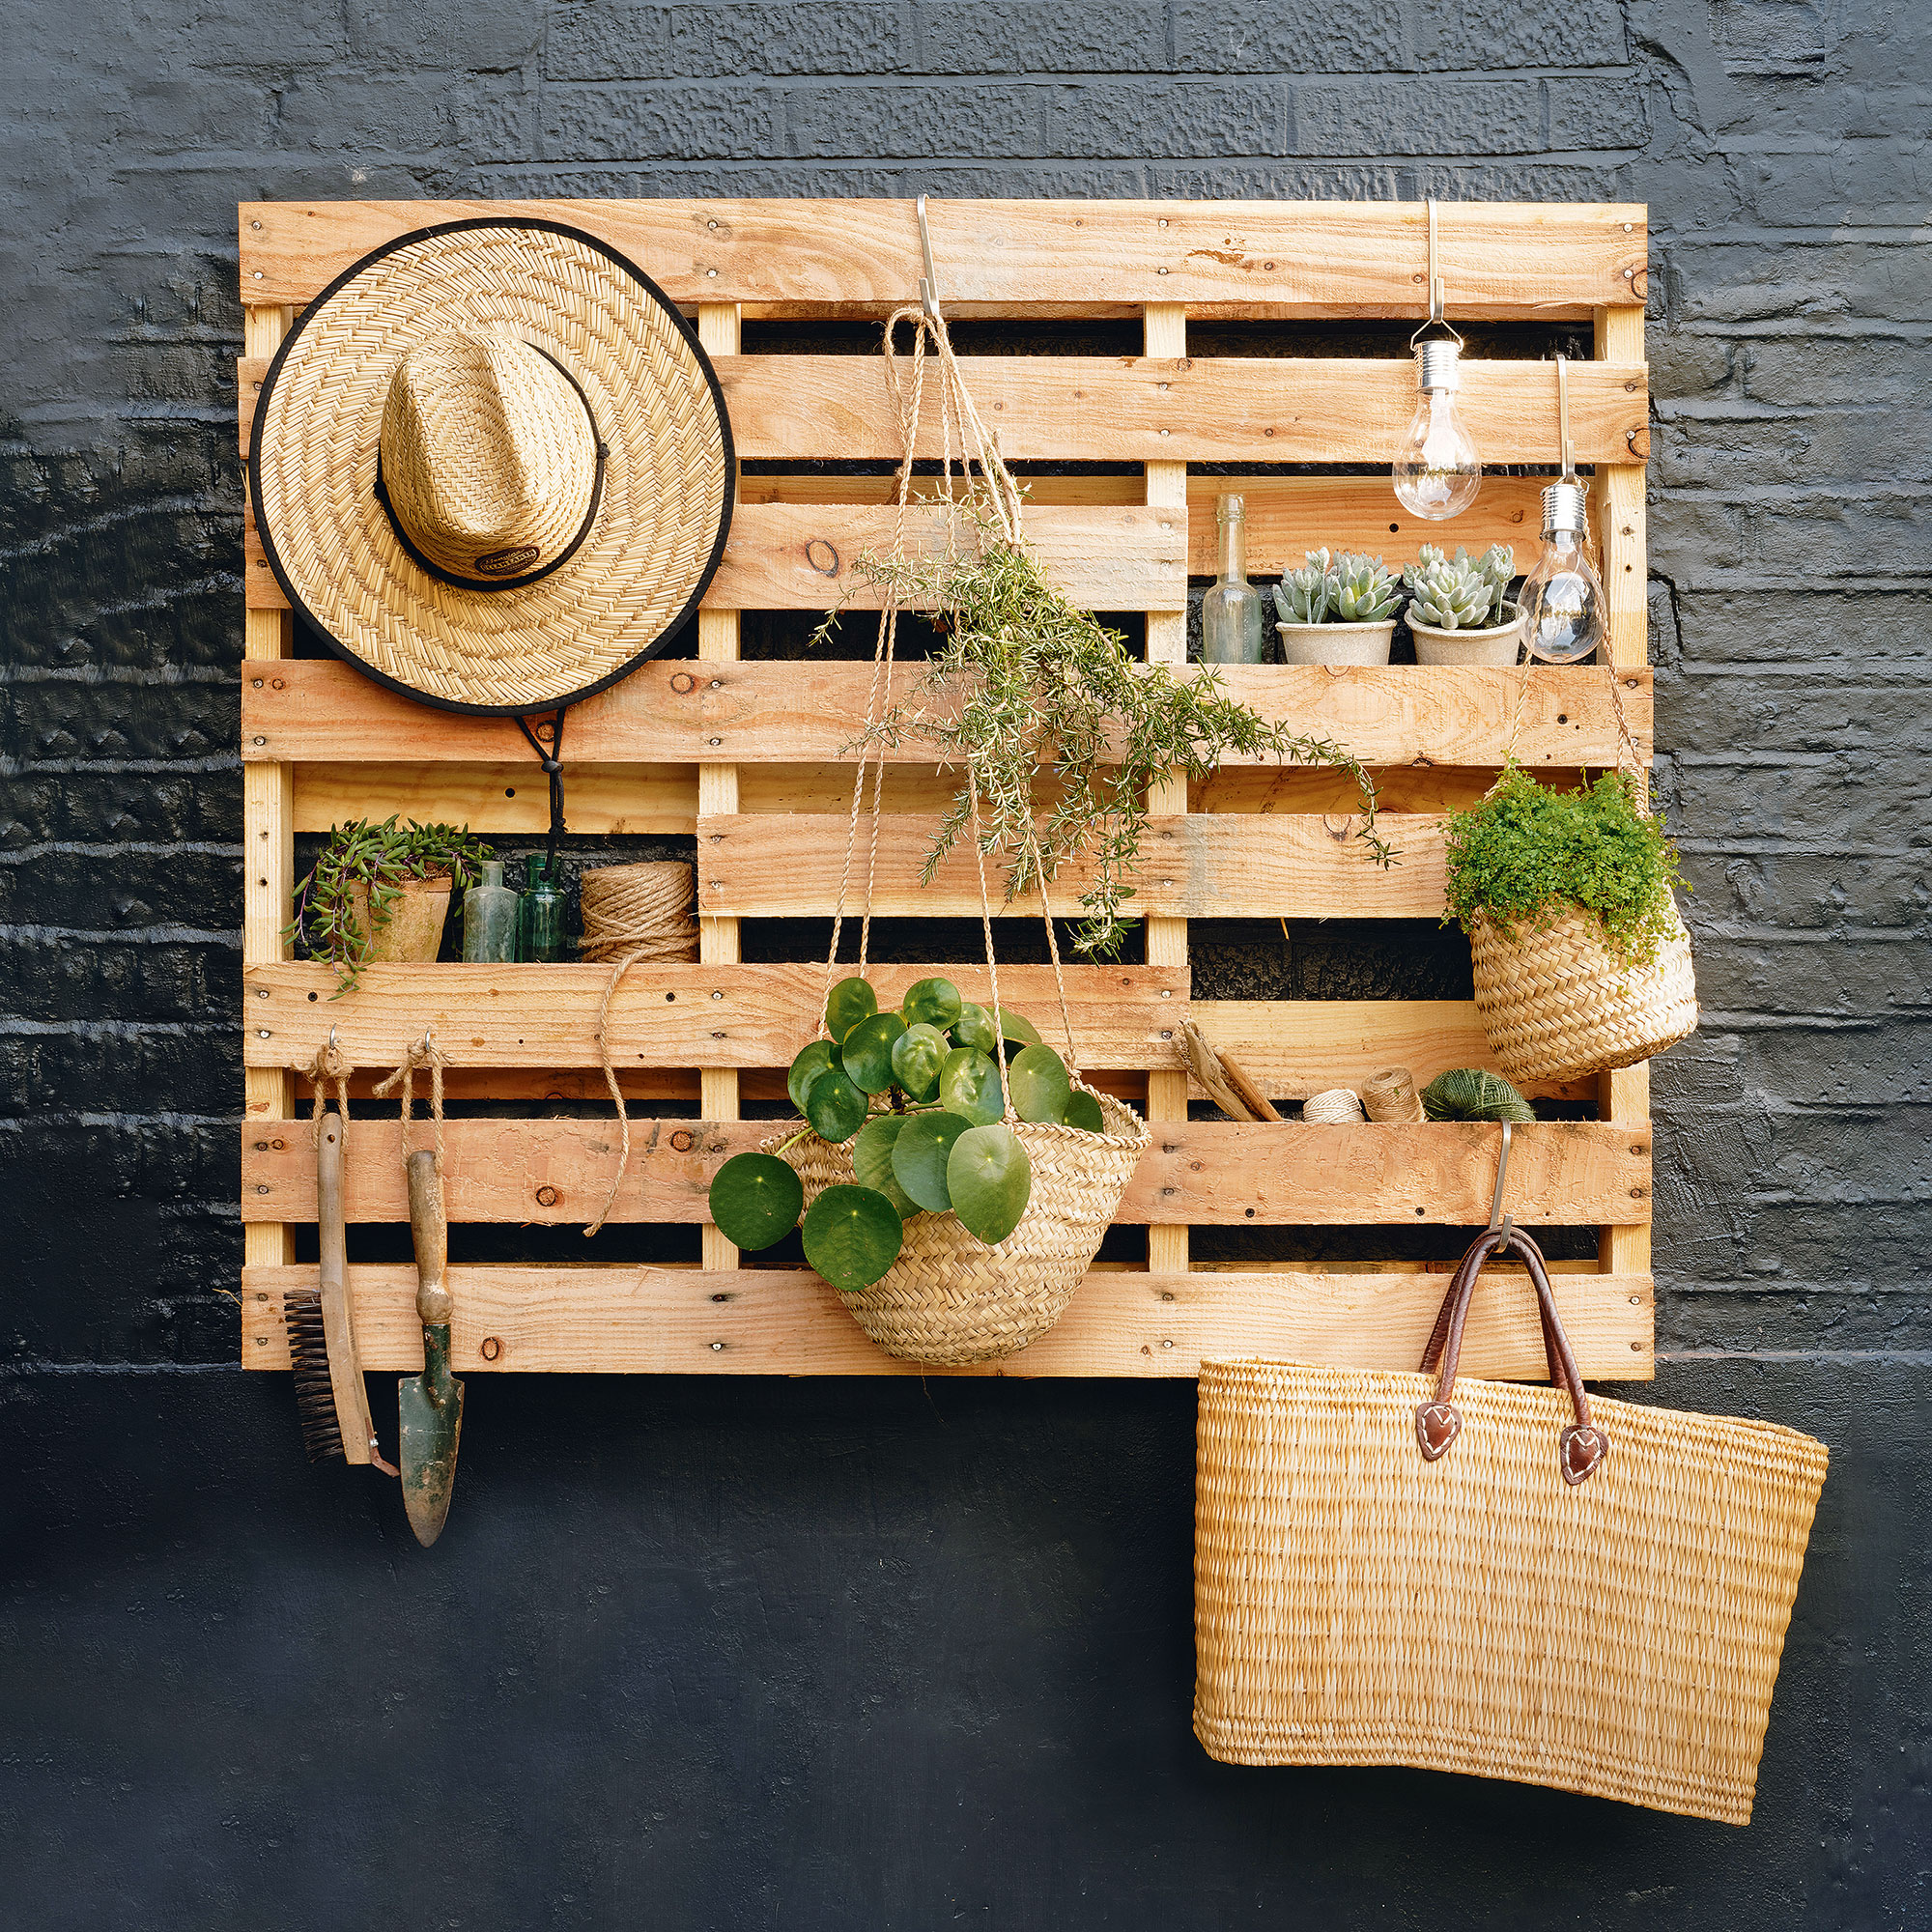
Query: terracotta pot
x=414, y=929
x=1497, y=646
x=1336, y=644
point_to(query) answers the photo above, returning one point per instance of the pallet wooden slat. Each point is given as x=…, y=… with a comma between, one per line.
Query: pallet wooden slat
x=667, y=1321
x=776, y=257
x=1174, y=409
x=1220, y=866
x=717, y=1014
x=1208, y=1173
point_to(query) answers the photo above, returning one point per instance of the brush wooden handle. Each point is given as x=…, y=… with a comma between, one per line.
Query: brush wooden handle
x=344, y=1368
x=430, y=1232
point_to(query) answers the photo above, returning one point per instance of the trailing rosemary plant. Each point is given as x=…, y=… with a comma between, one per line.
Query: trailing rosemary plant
x=1029, y=685
x=380, y=858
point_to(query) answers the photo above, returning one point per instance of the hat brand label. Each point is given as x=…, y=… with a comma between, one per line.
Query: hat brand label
x=508, y=562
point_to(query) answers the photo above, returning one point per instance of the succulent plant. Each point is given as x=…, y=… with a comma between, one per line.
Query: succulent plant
x=1345, y=588
x=1361, y=590
x=1461, y=595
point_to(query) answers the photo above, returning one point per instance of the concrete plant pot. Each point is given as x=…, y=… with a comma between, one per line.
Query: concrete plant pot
x=414, y=929
x=1336, y=644
x=1497, y=646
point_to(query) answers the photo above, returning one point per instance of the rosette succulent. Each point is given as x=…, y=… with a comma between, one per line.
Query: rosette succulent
x=1346, y=588
x=1463, y=594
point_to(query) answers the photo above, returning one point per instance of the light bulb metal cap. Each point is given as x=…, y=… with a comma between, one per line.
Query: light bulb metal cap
x=1563, y=508
x=1438, y=366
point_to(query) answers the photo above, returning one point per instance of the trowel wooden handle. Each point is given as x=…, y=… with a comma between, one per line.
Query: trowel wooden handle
x=431, y=1232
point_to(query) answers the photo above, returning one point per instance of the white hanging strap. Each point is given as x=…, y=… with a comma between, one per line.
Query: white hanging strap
x=1569, y=448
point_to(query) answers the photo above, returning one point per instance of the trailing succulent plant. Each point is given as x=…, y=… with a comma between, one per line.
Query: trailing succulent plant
x=1526, y=852
x=1463, y=594
x=1346, y=588
x=381, y=859
x=918, y=1094
x=1028, y=688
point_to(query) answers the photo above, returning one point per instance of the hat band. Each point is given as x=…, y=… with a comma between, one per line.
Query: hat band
x=510, y=555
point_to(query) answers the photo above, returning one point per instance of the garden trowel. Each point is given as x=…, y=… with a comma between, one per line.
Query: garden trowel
x=431, y=1403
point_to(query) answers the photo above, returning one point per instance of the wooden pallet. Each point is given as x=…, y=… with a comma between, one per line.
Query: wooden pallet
x=745, y=757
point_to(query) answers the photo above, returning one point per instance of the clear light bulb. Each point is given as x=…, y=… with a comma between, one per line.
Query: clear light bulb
x=1563, y=596
x=1437, y=469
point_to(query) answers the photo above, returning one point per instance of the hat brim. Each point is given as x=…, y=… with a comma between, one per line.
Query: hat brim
x=668, y=481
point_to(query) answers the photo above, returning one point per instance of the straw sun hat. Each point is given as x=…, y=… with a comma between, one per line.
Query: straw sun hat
x=491, y=467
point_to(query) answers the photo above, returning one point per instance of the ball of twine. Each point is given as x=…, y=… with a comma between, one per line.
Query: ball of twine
x=1390, y=1096
x=1337, y=1107
x=641, y=912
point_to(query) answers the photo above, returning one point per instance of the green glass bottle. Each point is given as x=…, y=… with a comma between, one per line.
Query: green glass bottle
x=490, y=917
x=540, y=936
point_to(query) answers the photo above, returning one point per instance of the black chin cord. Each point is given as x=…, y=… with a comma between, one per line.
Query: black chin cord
x=552, y=757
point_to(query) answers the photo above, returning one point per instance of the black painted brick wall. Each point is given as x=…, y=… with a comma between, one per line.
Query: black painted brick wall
x=931, y=1690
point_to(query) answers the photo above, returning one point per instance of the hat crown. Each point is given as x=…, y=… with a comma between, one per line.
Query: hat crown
x=489, y=455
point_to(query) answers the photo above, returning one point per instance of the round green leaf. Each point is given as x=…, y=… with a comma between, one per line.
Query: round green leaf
x=755, y=1199
x=1040, y=1082
x=872, y=1162
x=919, y=1155
x=813, y=1057
x=969, y=1086
x=936, y=1001
x=990, y=1179
x=852, y=1236
x=1017, y=1025
x=917, y=1054
x=975, y=1028
x=1083, y=1111
x=867, y=1055
x=848, y=1003
x=835, y=1107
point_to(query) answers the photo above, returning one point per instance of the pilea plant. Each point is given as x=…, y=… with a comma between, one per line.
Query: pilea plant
x=1526, y=852
x=1347, y=588
x=1029, y=685
x=379, y=859
x=920, y=1095
x=1463, y=594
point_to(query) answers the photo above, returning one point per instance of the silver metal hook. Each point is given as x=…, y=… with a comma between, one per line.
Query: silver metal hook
x=1437, y=299
x=331, y=1040
x=928, y=287
x=1497, y=1218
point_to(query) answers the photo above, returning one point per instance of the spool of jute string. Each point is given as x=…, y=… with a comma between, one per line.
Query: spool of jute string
x=632, y=913
x=1389, y=1095
x=1337, y=1107
x=639, y=912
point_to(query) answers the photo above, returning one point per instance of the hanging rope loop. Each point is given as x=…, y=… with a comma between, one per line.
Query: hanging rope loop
x=424, y=1053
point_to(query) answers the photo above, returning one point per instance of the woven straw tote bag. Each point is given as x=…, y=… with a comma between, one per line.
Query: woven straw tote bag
x=1558, y=1003
x=1487, y=1577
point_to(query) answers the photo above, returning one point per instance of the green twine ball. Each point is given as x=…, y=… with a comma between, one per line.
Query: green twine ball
x=1471, y=1093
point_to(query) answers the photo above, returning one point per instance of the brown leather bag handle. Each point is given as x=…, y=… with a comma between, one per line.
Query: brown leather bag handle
x=1582, y=1446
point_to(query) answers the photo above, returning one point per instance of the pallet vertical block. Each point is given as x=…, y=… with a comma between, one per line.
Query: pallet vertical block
x=747, y=758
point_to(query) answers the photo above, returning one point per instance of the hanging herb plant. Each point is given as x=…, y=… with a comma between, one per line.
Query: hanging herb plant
x=368, y=866
x=1526, y=853
x=1027, y=685
x=921, y=1096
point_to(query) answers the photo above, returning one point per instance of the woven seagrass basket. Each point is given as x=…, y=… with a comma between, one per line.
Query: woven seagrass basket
x=1558, y=1003
x=949, y=1300
x=1516, y=1582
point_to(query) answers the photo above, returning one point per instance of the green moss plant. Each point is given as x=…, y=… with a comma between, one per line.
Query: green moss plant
x=1526, y=853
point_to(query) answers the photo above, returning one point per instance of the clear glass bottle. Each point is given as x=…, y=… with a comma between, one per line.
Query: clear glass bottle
x=540, y=934
x=1231, y=609
x=490, y=917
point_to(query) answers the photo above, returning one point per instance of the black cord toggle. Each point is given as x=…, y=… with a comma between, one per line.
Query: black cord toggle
x=551, y=757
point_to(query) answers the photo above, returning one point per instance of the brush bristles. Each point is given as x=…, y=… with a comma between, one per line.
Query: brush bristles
x=308, y=1353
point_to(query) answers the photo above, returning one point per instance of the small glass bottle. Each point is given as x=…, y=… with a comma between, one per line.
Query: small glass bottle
x=540, y=936
x=1231, y=609
x=490, y=917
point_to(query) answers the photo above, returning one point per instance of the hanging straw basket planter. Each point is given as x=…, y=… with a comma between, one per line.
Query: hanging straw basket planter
x=952, y=1301
x=1558, y=1003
